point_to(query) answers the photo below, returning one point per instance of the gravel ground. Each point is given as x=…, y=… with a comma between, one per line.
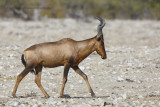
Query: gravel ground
x=130, y=76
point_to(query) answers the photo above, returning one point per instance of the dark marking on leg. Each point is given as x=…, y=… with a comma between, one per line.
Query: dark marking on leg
x=82, y=74
x=38, y=70
x=65, y=75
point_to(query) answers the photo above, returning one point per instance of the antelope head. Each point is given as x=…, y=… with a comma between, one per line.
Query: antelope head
x=100, y=48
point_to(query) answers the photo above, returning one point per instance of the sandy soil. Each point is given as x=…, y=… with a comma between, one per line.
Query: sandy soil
x=129, y=77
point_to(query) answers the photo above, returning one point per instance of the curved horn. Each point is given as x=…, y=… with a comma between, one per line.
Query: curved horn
x=100, y=26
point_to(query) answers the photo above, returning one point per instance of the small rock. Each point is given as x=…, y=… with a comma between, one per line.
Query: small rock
x=71, y=86
x=16, y=104
x=1, y=67
x=124, y=96
x=140, y=96
x=82, y=68
x=80, y=81
x=105, y=103
x=35, y=105
x=129, y=80
x=120, y=79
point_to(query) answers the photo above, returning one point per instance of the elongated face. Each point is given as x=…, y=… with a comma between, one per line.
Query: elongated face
x=100, y=48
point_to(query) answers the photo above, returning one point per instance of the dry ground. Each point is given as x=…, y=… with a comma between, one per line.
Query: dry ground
x=129, y=77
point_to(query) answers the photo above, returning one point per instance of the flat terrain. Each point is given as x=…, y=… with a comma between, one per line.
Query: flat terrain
x=130, y=76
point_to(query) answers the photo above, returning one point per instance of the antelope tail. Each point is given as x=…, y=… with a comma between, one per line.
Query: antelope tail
x=24, y=63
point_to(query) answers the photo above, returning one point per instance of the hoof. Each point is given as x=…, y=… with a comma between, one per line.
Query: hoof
x=61, y=96
x=47, y=96
x=14, y=96
x=93, y=95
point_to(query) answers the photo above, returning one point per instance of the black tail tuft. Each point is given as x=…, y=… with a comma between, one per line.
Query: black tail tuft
x=23, y=60
x=24, y=63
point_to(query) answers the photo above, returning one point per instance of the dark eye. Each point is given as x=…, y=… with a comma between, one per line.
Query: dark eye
x=99, y=39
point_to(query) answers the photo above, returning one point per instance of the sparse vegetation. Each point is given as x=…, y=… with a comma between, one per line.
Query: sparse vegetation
x=122, y=9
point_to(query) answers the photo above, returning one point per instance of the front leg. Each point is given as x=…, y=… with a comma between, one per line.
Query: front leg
x=65, y=75
x=78, y=70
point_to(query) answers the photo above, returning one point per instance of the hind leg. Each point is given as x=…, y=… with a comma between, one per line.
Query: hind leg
x=38, y=80
x=27, y=69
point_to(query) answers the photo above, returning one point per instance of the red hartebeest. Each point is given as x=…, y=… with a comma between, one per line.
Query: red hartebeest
x=66, y=52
